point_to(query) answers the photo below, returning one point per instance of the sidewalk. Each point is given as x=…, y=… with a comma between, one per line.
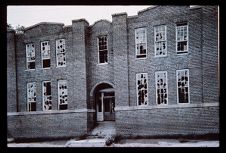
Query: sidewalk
x=96, y=142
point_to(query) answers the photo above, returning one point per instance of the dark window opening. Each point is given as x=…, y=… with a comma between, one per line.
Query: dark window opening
x=46, y=63
x=103, y=56
x=31, y=65
x=32, y=106
x=63, y=107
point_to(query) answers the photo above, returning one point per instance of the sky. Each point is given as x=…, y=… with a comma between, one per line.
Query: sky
x=30, y=15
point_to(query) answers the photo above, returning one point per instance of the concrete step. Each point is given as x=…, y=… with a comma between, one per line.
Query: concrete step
x=94, y=142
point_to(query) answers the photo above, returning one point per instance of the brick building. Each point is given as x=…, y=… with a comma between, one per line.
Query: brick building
x=155, y=73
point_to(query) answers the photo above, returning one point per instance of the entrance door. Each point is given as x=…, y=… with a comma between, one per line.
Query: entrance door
x=109, y=105
x=105, y=104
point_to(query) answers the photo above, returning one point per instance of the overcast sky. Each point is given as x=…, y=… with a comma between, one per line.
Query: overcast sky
x=30, y=15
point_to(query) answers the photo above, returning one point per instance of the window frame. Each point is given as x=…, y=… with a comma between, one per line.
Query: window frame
x=43, y=96
x=49, y=54
x=188, y=86
x=26, y=52
x=137, y=97
x=167, y=99
x=98, y=50
x=58, y=95
x=185, y=51
x=61, y=53
x=28, y=102
x=155, y=42
x=135, y=34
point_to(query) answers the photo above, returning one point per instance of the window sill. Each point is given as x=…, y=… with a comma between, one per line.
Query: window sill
x=60, y=66
x=102, y=63
x=183, y=53
x=30, y=70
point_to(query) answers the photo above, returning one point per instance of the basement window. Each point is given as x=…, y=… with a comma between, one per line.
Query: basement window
x=160, y=41
x=47, y=98
x=31, y=96
x=30, y=56
x=45, y=54
x=183, y=86
x=141, y=43
x=161, y=87
x=62, y=95
x=60, y=53
x=142, y=88
x=182, y=38
x=102, y=49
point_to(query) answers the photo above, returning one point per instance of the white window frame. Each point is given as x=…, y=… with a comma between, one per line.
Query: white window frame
x=66, y=103
x=137, y=89
x=28, y=102
x=61, y=53
x=155, y=42
x=185, y=51
x=27, y=56
x=156, y=73
x=136, y=51
x=49, y=54
x=102, y=50
x=43, y=96
x=188, y=86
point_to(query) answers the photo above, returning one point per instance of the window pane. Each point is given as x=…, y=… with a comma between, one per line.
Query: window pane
x=30, y=56
x=161, y=87
x=141, y=42
x=61, y=52
x=103, y=50
x=142, y=93
x=62, y=94
x=183, y=91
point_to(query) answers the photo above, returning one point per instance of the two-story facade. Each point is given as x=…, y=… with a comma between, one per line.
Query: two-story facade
x=155, y=73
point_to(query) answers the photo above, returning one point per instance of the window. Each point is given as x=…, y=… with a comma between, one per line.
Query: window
x=62, y=94
x=160, y=41
x=60, y=53
x=142, y=88
x=30, y=56
x=182, y=38
x=47, y=99
x=31, y=96
x=45, y=53
x=161, y=87
x=183, y=86
x=141, y=42
x=102, y=49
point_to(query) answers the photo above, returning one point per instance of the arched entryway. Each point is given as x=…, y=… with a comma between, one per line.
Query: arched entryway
x=104, y=102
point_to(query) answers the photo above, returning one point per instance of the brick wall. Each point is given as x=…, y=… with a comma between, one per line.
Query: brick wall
x=167, y=121
x=210, y=54
x=47, y=125
x=119, y=23
x=11, y=73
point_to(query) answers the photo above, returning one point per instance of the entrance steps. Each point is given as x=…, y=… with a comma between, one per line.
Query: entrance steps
x=98, y=137
x=103, y=129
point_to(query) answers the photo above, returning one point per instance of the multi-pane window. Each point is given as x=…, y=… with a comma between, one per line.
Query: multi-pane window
x=160, y=41
x=60, y=53
x=102, y=49
x=47, y=98
x=161, y=87
x=142, y=88
x=183, y=86
x=31, y=96
x=141, y=42
x=62, y=95
x=45, y=54
x=30, y=56
x=182, y=38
